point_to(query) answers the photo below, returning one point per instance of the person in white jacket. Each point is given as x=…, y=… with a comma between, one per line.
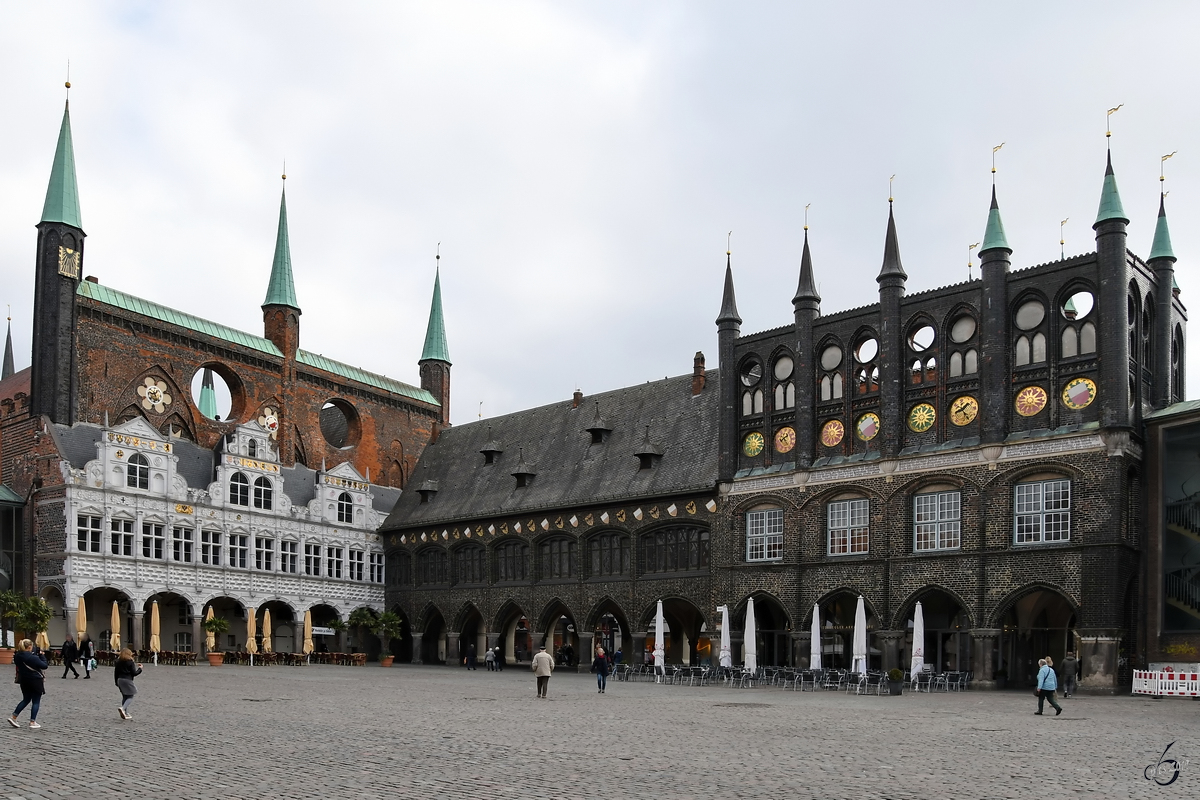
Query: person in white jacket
x=543, y=667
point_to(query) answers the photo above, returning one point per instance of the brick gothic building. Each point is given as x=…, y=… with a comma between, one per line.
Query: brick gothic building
x=976, y=448
x=125, y=486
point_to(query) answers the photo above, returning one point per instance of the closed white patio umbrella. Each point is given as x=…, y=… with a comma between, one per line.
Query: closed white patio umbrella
x=659, y=651
x=750, y=640
x=814, y=647
x=860, y=637
x=918, y=643
x=726, y=658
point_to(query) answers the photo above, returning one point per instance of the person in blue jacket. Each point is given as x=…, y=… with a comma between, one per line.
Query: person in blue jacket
x=1047, y=682
x=30, y=666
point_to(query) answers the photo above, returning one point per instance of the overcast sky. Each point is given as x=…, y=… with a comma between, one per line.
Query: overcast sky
x=580, y=163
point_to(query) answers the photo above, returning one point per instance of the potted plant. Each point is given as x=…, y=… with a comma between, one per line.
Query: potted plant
x=362, y=619
x=387, y=627
x=33, y=616
x=337, y=625
x=895, y=678
x=216, y=626
x=10, y=609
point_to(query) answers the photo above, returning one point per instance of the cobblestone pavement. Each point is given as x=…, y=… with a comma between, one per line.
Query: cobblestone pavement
x=440, y=732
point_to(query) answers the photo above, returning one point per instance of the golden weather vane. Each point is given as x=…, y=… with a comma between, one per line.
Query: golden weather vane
x=970, y=247
x=995, y=150
x=890, y=187
x=1162, y=165
x=806, y=216
x=1111, y=111
x=1062, y=240
x=728, y=241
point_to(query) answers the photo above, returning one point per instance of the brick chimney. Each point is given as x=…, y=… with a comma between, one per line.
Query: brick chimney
x=577, y=399
x=698, y=374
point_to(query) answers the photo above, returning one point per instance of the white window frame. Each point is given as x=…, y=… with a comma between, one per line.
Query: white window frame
x=849, y=527
x=288, y=555
x=937, y=521
x=181, y=544
x=237, y=550
x=764, y=534
x=345, y=508
x=88, y=531
x=239, y=489
x=312, y=559
x=376, y=567
x=183, y=641
x=120, y=542
x=153, y=541
x=333, y=562
x=1037, y=520
x=264, y=553
x=356, y=565
x=137, y=472
x=210, y=548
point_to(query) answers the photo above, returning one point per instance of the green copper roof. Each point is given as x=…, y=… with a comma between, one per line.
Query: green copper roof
x=1110, y=198
x=208, y=395
x=1161, y=248
x=993, y=236
x=435, y=334
x=10, y=497
x=362, y=376
x=62, y=195
x=109, y=296
x=281, y=291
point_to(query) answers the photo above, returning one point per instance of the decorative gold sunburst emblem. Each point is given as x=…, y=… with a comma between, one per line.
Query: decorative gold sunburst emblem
x=832, y=433
x=922, y=417
x=154, y=395
x=269, y=420
x=1031, y=400
x=753, y=444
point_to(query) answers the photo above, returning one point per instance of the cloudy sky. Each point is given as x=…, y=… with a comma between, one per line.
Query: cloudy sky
x=579, y=162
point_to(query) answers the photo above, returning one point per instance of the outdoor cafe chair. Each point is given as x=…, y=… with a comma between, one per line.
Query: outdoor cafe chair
x=939, y=683
x=920, y=682
x=787, y=676
x=852, y=681
x=871, y=683
x=808, y=678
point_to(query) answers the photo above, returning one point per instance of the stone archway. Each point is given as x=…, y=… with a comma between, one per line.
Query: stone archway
x=233, y=612
x=773, y=632
x=402, y=646
x=287, y=629
x=837, y=630
x=948, y=625
x=685, y=626
x=1038, y=622
x=98, y=603
x=175, y=618
x=56, y=629
x=561, y=634
x=515, y=634
x=433, y=638
x=610, y=629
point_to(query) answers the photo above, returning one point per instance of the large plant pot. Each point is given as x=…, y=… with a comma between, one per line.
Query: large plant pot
x=215, y=659
x=6, y=655
x=386, y=661
x=895, y=688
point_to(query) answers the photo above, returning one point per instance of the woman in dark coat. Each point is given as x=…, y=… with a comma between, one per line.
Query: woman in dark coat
x=33, y=685
x=600, y=667
x=87, y=651
x=123, y=675
x=70, y=652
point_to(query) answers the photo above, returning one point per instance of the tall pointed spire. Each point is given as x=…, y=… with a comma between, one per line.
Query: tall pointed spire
x=1110, y=198
x=729, y=312
x=1161, y=248
x=281, y=291
x=62, y=195
x=435, y=348
x=993, y=235
x=8, y=354
x=208, y=395
x=891, y=251
x=807, y=288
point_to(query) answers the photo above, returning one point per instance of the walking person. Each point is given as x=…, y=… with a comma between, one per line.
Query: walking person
x=543, y=667
x=70, y=652
x=600, y=667
x=87, y=653
x=470, y=662
x=1070, y=669
x=123, y=675
x=499, y=659
x=489, y=660
x=1047, y=683
x=30, y=666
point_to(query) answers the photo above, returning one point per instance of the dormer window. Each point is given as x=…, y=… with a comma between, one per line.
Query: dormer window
x=428, y=489
x=524, y=473
x=491, y=451
x=137, y=472
x=648, y=453
x=600, y=430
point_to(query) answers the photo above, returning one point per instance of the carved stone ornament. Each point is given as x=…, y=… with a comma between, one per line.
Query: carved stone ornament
x=154, y=395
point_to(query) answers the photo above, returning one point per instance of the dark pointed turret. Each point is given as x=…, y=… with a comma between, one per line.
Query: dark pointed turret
x=993, y=235
x=281, y=311
x=729, y=325
x=806, y=306
x=1161, y=246
x=8, y=354
x=995, y=380
x=729, y=312
x=807, y=288
x=1110, y=199
x=892, y=268
x=891, y=279
x=1116, y=401
x=1168, y=386
x=435, y=355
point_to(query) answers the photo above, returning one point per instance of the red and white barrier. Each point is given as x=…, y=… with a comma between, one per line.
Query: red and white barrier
x=1166, y=684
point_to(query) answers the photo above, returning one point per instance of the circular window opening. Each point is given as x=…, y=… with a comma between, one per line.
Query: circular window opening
x=339, y=423
x=963, y=329
x=1078, y=305
x=867, y=350
x=751, y=373
x=831, y=357
x=212, y=392
x=783, y=368
x=920, y=339
x=1030, y=315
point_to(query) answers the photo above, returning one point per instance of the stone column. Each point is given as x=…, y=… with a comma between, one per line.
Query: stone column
x=890, y=642
x=417, y=644
x=1098, y=651
x=587, y=651
x=197, y=634
x=802, y=649
x=453, y=659
x=135, y=635
x=72, y=615
x=983, y=644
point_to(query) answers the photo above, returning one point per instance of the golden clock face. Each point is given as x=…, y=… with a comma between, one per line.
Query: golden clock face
x=832, y=433
x=753, y=444
x=867, y=426
x=922, y=417
x=964, y=410
x=785, y=439
x=1079, y=393
x=1031, y=400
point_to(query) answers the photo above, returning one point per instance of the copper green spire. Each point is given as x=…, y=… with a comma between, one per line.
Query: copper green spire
x=993, y=236
x=281, y=291
x=1161, y=248
x=1110, y=198
x=208, y=395
x=62, y=195
x=435, y=334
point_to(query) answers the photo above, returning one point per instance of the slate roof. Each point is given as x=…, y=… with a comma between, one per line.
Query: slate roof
x=571, y=470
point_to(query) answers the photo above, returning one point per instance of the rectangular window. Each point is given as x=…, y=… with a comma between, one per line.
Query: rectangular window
x=848, y=531
x=181, y=545
x=764, y=535
x=675, y=550
x=264, y=554
x=558, y=560
x=312, y=560
x=937, y=521
x=376, y=567
x=333, y=562
x=121, y=539
x=185, y=614
x=237, y=550
x=288, y=557
x=610, y=554
x=210, y=548
x=356, y=565
x=88, y=534
x=183, y=642
x=1042, y=512
x=153, y=541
